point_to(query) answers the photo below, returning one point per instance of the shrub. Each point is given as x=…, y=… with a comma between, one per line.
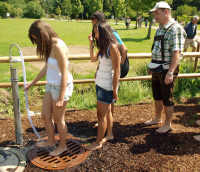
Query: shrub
x=16, y=12
x=33, y=10
x=4, y=9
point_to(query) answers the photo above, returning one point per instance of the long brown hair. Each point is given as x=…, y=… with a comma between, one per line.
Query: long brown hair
x=44, y=34
x=105, y=37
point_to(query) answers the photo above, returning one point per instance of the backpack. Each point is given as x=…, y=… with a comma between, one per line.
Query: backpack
x=124, y=68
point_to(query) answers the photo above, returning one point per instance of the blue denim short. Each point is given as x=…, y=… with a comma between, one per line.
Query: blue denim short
x=54, y=90
x=104, y=96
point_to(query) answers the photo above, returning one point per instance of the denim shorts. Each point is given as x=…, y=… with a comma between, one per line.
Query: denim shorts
x=104, y=96
x=54, y=90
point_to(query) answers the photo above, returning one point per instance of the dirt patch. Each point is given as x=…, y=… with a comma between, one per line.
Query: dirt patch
x=135, y=147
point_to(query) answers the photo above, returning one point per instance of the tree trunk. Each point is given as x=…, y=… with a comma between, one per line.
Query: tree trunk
x=149, y=30
x=116, y=20
x=136, y=24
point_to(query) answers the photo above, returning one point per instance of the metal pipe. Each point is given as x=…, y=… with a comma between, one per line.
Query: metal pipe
x=16, y=106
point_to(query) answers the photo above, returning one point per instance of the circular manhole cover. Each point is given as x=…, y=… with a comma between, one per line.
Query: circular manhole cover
x=74, y=155
x=11, y=159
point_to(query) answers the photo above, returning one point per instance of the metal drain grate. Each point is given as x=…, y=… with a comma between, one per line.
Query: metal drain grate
x=74, y=155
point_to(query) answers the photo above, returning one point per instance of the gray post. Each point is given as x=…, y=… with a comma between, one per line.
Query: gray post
x=16, y=106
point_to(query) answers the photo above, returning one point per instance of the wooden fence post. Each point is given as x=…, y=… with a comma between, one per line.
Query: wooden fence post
x=196, y=58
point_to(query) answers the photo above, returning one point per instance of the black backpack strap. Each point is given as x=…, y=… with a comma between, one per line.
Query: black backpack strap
x=154, y=41
x=161, y=38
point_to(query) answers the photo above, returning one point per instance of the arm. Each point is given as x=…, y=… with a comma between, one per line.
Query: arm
x=122, y=48
x=177, y=45
x=91, y=44
x=123, y=52
x=115, y=57
x=61, y=56
x=38, y=77
x=173, y=66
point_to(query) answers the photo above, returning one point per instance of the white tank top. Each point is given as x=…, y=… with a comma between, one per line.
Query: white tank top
x=104, y=76
x=53, y=71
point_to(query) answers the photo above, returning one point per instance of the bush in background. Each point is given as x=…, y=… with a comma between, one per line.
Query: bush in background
x=4, y=9
x=33, y=10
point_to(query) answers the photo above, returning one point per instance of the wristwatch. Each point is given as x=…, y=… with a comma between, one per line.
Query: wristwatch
x=170, y=73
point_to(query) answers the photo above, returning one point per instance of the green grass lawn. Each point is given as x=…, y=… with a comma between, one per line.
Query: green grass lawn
x=73, y=33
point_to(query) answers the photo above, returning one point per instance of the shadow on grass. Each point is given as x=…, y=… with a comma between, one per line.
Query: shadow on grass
x=126, y=29
x=134, y=39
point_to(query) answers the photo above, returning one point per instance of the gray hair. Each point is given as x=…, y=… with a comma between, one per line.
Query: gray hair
x=195, y=17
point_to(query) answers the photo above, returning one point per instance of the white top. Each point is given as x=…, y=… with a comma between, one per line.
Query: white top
x=53, y=70
x=104, y=76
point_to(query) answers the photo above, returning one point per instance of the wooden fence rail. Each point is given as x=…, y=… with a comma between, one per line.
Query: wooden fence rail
x=86, y=57
x=86, y=81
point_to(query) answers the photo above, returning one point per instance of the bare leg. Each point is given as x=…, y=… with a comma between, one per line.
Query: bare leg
x=167, y=125
x=110, y=122
x=112, y=111
x=47, y=118
x=102, y=111
x=59, y=119
x=158, y=110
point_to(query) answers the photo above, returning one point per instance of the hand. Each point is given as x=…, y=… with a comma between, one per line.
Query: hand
x=149, y=72
x=115, y=95
x=90, y=39
x=59, y=103
x=168, y=79
x=122, y=60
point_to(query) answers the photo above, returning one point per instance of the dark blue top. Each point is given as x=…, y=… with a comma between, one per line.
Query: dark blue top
x=191, y=30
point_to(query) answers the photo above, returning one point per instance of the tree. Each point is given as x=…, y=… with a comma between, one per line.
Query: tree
x=4, y=9
x=49, y=6
x=77, y=8
x=33, y=10
x=186, y=10
x=58, y=11
x=17, y=3
x=16, y=12
x=95, y=5
x=107, y=8
x=66, y=8
x=119, y=7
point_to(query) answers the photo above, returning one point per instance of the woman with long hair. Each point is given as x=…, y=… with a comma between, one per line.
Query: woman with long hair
x=59, y=86
x=107, y=78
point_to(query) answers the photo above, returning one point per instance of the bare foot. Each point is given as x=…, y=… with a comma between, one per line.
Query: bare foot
x=197, y=137
x=164, y=129
x=198, y=122
x=96, y=125
x=107, y=138
x=58, y=151
x=153, y=122
x=94, y=146
x=44, y=144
